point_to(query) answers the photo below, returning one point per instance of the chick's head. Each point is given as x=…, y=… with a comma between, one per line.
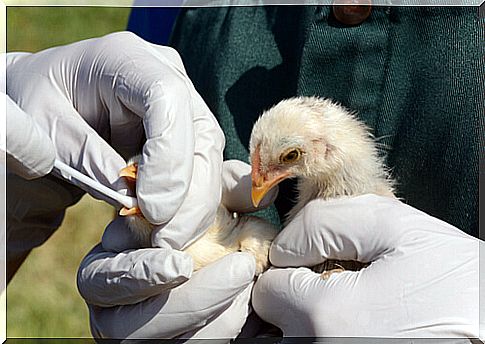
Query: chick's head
x=305, y=137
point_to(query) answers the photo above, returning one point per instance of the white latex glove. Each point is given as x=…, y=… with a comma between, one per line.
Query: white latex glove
x=140, y=293
x=117, y=95
x=30, y=152
x=423, y=280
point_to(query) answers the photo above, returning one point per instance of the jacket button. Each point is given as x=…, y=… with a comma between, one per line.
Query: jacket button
x=353, y=12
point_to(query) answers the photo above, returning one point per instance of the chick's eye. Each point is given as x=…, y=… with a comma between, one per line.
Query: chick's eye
x=291, y=156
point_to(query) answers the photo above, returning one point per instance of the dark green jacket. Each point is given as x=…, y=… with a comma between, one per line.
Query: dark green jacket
x=415, y=75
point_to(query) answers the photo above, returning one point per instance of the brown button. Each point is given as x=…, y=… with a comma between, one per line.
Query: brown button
x=351, y=12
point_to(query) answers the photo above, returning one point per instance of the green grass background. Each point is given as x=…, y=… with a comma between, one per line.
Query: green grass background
x=42, y=298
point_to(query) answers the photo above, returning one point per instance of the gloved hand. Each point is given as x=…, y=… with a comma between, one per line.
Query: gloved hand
x=151, y=293
x=423, y=280
x=104, y=98
x=101, y=101
x=30, y=152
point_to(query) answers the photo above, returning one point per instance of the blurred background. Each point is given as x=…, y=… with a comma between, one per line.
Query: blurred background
x=42, y=298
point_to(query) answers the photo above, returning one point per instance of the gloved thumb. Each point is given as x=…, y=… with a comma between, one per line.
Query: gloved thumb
x=300, y=302
x=236, y=188
x=361, y=229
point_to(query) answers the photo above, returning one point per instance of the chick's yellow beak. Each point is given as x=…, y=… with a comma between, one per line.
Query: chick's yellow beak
x=258, y=188
x=263, y=182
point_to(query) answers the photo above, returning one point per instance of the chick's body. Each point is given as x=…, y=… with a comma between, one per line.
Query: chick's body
x=229, y=233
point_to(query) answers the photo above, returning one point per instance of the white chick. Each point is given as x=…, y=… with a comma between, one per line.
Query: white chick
x=315, y=140
x=229, y=232
x=323, y=145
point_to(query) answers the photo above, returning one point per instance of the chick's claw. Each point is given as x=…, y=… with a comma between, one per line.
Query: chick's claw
x=132, y=211
x=129, y=173
x=326, y=274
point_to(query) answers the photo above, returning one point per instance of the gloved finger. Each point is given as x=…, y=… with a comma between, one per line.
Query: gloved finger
x=157, y=92
x=171, y=57
x=192, y=305
x=183, y=141
x=108, y=279
x=301, y=303
x=236, y=188
x=362, y=228
x=227, y=325
x=164, y=171
x=194, y=216
x=30, y=152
